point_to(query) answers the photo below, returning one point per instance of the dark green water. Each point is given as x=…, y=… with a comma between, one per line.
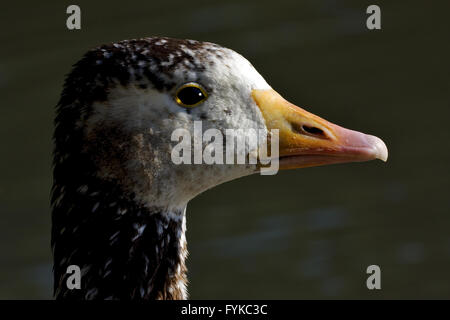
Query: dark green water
x=309, y=233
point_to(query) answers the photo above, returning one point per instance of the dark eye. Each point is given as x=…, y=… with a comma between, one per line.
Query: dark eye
x=190, y=95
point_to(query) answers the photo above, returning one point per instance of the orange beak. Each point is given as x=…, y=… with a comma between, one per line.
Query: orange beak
x=306, y=140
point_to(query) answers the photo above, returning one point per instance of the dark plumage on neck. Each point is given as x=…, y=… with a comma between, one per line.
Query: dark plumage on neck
x=124, y=250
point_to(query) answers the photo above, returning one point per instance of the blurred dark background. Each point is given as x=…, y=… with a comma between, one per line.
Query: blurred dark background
x=309, y=233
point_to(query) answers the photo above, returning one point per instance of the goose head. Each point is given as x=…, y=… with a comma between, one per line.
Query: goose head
x=119, y=197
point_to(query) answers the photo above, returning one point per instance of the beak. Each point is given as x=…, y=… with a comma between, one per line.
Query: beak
x=306, y=140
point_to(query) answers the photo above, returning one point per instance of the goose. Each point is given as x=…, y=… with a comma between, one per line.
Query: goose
x=118, y=200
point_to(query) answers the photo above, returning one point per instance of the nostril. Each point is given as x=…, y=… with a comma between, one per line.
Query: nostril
x=313, y=130
x=308, y=130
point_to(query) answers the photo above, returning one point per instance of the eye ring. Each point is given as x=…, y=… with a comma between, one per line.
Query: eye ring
x=190, y=98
